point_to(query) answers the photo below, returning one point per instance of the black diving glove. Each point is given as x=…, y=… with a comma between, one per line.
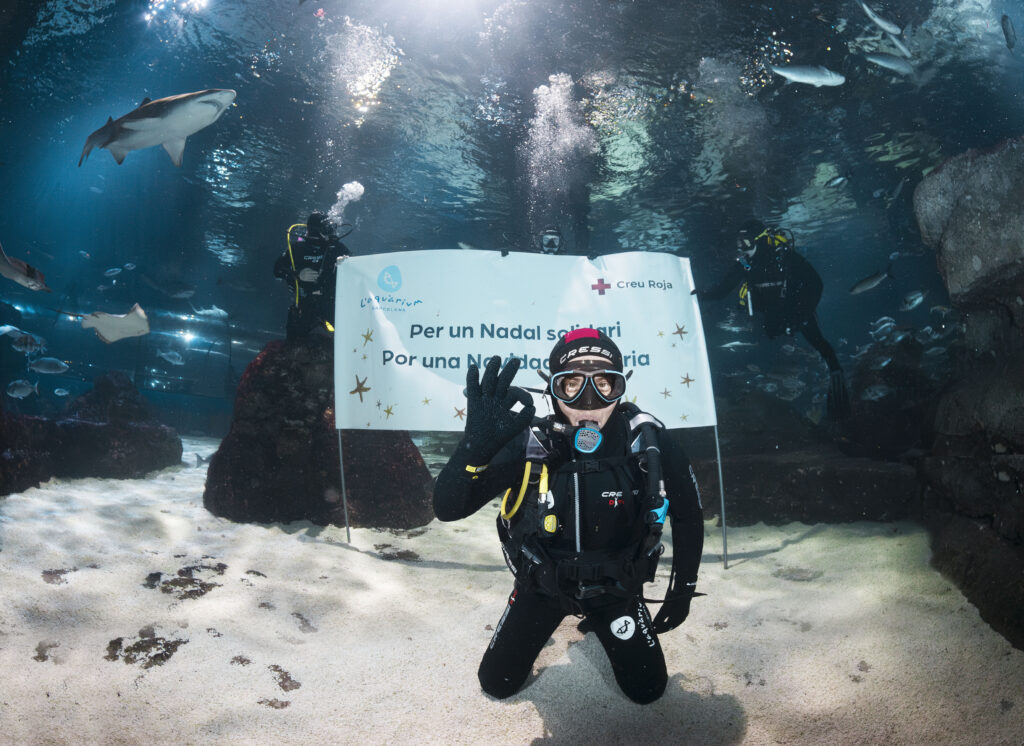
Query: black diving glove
x=490, y=421
x=674, y=611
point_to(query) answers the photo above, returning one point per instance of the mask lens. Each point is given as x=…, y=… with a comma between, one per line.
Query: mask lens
x=568, y=387
x=609, y=385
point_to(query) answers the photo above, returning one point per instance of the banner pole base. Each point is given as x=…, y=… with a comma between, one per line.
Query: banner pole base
x=344, y=496
x=721, y=492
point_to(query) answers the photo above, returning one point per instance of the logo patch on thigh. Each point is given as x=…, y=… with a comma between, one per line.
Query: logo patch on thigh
x=623, y=627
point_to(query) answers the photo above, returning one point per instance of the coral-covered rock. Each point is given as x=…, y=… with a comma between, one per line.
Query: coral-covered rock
x=279, y=462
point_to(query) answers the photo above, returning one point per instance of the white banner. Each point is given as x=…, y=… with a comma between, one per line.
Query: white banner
x=408, y=324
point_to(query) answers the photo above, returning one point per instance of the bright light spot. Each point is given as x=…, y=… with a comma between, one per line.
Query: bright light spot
x=187, y=336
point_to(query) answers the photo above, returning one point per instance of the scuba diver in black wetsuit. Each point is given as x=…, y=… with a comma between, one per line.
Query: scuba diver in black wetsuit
x=309, y=264
x=586, y=493
x=782, y=285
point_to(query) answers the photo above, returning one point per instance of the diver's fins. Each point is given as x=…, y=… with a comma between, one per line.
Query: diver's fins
x=838, y=401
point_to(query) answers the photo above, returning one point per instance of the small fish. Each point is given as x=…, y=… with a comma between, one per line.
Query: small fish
x=871, y=281
x=171, y=356
x=29, y=343
x=769, y=387
x=788, y=349
x=725, y=326
x=912, y=300
x=734, y=345
x=128, y=267
x=85, y=254
x=887, y=26
x=836, y=181
x=876, y=392
x=935, y=351
x=882, y=332
x=48, y=365
x=883, y=320
x=901, y=255
x=811, y=75
x=61, y=392
x=896, y=192
x=880, y=363
x=1009, y=33
x=941, y=310
x=21, y=388
x=891, y=62
x=112, y=272
x=899, y=45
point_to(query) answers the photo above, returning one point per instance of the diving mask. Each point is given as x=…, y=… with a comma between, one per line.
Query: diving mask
x=588, y=386
x=550, y=240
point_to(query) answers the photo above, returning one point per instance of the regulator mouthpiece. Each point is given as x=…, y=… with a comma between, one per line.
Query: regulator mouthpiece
x=587, y=438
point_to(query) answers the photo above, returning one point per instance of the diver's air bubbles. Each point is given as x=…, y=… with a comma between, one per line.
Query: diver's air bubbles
x=362, y=59
x=350, y=192
x=557, y=151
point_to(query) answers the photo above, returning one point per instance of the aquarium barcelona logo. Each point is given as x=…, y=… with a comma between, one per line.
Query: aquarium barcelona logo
x=390, y=282
x=602, y=285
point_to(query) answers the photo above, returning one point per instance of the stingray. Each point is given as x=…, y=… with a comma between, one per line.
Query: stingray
x=112, y=327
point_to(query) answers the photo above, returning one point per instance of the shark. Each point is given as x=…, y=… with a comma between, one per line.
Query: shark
x=166, y=121
x=22, y=272
x=111, y=327
x=812, y=75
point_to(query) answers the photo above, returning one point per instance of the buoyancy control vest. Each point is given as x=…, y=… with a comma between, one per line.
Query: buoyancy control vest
x=576, y=528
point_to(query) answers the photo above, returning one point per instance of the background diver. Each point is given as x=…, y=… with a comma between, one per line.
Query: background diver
x=581, y=518
x=309, y=267
x=782, y=285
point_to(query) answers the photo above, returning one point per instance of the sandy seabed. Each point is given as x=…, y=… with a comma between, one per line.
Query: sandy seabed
x=129, y=614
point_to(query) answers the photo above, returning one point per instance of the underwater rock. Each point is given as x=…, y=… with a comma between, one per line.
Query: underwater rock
x=818, y=485
x=279, y=462
x=110, y=434
x=780, y=467
x=971, y=210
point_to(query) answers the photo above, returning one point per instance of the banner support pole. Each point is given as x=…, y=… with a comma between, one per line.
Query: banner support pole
x=344, y=496
x=721, y=492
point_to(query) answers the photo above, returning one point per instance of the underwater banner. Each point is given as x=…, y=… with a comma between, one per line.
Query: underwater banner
x=408, y=325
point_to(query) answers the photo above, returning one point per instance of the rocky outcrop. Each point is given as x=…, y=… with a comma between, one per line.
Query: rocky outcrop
x=107, y=432
x=279, y=462
x=971, y=210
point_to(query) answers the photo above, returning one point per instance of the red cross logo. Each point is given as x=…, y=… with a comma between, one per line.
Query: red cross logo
x=601, y=286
